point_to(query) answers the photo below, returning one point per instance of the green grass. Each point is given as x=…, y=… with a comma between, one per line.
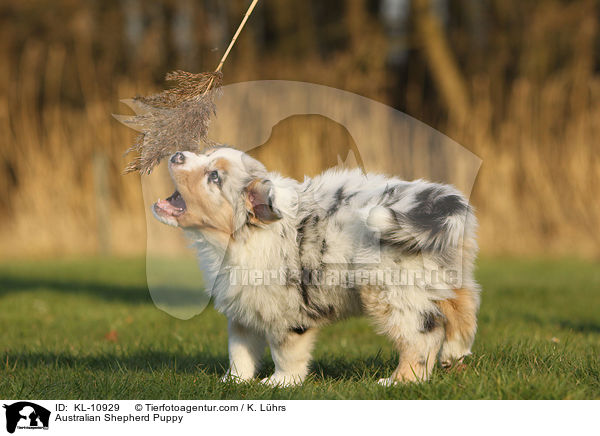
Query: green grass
x=55, y=317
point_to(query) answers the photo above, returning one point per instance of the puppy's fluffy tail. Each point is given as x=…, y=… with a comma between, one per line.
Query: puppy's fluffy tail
x=431, y=218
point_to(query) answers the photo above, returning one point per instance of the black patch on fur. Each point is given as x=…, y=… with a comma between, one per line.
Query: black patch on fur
x=304, y=283
x=323, y=248
x=433, y=207
x=450, y=205
x=307, y=232
x=430, y=322
x=301, y=230
x=311, y=239
x=427, y=195
x=337, y=201
x=409, y=246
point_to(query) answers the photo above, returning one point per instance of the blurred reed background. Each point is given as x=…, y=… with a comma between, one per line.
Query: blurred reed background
x=517, y=83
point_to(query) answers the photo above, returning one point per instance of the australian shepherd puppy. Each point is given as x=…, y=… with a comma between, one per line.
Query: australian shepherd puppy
x=284, y=258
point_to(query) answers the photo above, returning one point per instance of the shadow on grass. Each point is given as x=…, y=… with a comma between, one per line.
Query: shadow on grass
x=580, y=326
x=342, y=368
x=107, y=291
x=141, y=361
x=353, y=369
x=131, y=294
x=150, y=361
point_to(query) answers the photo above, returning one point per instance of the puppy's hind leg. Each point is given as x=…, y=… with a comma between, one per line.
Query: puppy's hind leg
x=418, y=337
x=245, y=351
x=415, y=330
x=291, y=356
x=460, y=319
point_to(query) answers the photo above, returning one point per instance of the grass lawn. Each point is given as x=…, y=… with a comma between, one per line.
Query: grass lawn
x=87, y=329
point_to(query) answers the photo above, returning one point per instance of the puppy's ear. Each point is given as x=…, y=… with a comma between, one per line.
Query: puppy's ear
x=260, y=197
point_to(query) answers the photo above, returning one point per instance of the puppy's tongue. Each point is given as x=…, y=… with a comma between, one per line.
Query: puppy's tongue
x=168, y=207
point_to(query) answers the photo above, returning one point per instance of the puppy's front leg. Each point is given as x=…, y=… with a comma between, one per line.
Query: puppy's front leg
x=245, y=350
x=291, y=355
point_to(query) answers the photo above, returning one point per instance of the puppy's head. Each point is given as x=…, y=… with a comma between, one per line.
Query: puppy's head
x=217, y=191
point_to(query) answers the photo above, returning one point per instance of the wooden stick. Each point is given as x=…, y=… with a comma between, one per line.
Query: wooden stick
x=237, y=33
x=235, y=37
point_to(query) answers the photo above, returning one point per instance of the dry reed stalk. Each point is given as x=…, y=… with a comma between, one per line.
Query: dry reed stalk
x=177, y=118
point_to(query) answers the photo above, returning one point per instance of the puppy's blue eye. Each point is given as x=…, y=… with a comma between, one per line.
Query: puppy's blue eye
x=213, y=176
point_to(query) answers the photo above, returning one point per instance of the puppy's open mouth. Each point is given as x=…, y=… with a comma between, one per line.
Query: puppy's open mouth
x=172, y=206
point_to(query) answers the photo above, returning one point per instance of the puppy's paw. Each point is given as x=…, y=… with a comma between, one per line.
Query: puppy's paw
x=404, y=376
x=453, y=352
x=282, y=380
x=455, y=364
x=387, y=382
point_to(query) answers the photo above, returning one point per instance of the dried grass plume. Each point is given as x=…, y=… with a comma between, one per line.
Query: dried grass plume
x=178, y=118
x=173, y=120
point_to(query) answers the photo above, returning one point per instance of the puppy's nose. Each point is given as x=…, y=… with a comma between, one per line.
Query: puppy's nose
x=178, y=158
